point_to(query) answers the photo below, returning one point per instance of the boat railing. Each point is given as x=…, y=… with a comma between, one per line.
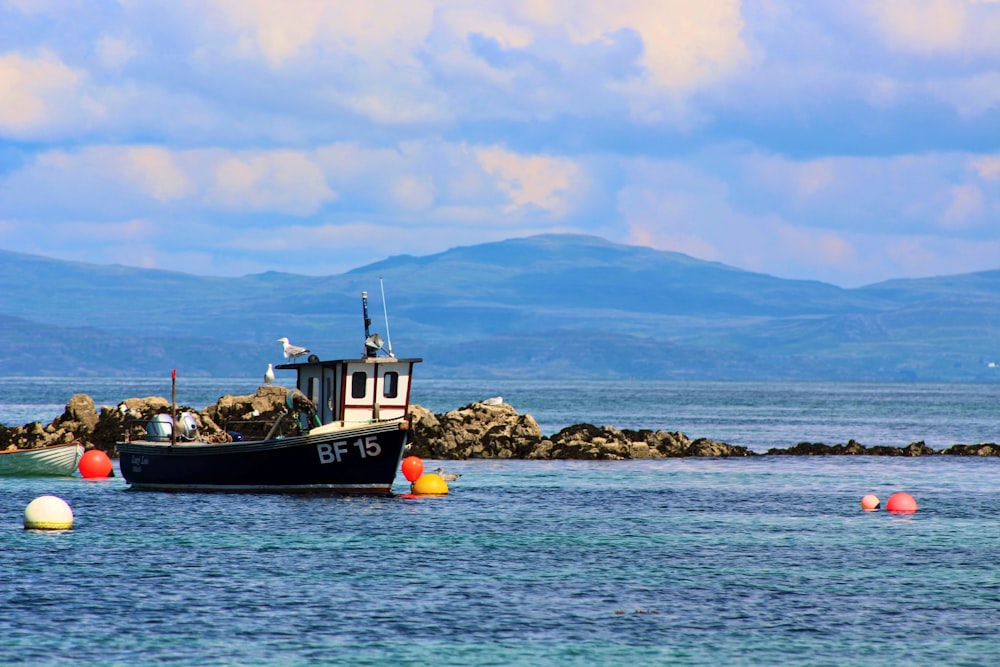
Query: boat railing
x=285, y=424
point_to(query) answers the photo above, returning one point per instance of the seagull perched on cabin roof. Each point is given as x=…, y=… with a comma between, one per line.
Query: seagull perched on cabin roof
x=292, y=351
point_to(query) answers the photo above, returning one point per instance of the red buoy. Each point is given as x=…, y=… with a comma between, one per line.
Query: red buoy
x=413, y=468
x=902, y=503
x=94, y=464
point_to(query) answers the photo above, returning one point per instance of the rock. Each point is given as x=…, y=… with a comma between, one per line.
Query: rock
x=474, y=431
x=706, y=447
x=485, y=429
x=853, y=448
x=982, y=449
x=80, y=415
x=589, y=442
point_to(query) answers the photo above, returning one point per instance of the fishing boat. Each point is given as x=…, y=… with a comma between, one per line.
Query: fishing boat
x=349, y=430
x=51, y=461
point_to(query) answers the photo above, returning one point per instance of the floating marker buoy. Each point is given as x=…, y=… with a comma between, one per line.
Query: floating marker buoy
x=870, y=502
x=429, y=485
x=902, y=503
x=48, y=513
x=94, y=464
x=412, y=468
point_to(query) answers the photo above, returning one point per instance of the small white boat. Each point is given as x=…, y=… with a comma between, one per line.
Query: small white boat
x=52, y=461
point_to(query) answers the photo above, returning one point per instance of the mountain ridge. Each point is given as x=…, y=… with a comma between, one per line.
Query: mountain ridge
x=487, y=309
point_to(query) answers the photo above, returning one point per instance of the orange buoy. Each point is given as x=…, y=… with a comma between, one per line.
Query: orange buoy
x=94, y=464
x=902, y=503
x=870, y=502
x=413, y=468
x=429, y=485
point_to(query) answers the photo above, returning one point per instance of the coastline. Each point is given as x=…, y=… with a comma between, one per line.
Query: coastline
x=477, y=430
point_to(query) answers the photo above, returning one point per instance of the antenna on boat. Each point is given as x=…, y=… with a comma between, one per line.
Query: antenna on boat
x=364, y=309
x=385, y=311
x=373, y=342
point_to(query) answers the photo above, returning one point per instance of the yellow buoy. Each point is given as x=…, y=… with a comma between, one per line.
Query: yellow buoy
x=48, y=513
x=429, y=484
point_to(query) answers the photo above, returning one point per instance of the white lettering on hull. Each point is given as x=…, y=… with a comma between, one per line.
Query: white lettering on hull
x=336, y=451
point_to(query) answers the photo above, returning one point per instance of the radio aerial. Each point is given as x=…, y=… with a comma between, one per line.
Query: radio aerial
x=373, y=344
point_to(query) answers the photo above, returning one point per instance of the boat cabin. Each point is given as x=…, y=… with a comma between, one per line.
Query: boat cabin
x=348, y=392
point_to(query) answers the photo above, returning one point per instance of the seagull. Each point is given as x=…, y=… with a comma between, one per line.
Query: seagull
x=269, y=374
x=446, y=476
x=292, y=351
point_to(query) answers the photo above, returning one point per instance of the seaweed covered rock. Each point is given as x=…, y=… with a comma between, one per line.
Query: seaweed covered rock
x=76, y=424
x=982, y=449
x=475, y=431
x=480, y=430
x=589, y=442
x=852, y=448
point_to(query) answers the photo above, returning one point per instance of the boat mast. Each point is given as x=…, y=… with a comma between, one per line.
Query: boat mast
x=364, y=309
x=385, y=311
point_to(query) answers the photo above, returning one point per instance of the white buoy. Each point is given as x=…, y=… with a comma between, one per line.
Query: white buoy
x=48, y=513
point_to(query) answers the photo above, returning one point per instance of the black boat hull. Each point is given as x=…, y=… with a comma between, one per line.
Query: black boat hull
x=356, y=460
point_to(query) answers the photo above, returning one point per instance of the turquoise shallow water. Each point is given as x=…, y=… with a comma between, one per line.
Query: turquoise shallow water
x=693, y=562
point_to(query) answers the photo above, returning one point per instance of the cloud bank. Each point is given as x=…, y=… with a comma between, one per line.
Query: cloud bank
x=848, y=142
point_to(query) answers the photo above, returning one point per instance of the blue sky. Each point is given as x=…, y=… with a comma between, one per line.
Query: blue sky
x=848, y=141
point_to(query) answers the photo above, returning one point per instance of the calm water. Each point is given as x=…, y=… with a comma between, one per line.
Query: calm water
x=689, y=562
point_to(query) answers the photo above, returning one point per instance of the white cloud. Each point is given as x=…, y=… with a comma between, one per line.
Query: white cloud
x=155, y=171
x=284, y=181
x=535, y=180
x=965, y=207
x=377, y=32
x=987, y=166
x=685, y=44
x=115, y=52
x=970, y=96
x=41, y=96
x=938, y=26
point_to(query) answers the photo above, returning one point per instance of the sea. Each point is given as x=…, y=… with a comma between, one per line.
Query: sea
x=751, y=561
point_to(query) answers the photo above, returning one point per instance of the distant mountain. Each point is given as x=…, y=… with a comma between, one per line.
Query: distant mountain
x=544, y=306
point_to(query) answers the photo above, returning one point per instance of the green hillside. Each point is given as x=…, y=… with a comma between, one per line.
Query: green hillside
x=544, y=306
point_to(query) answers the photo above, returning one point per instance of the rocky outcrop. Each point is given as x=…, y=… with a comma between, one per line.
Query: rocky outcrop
x=498, y=431
x=476, y=431
x=586, y=441
x=854, y=448
x=983, y=449
x=484, y=430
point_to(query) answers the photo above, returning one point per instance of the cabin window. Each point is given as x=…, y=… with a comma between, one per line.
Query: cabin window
x=359, y=384
x=390, y=385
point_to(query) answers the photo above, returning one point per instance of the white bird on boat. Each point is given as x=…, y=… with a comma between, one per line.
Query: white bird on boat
x=292, y=351
x=269, y=374
x=447, y=476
